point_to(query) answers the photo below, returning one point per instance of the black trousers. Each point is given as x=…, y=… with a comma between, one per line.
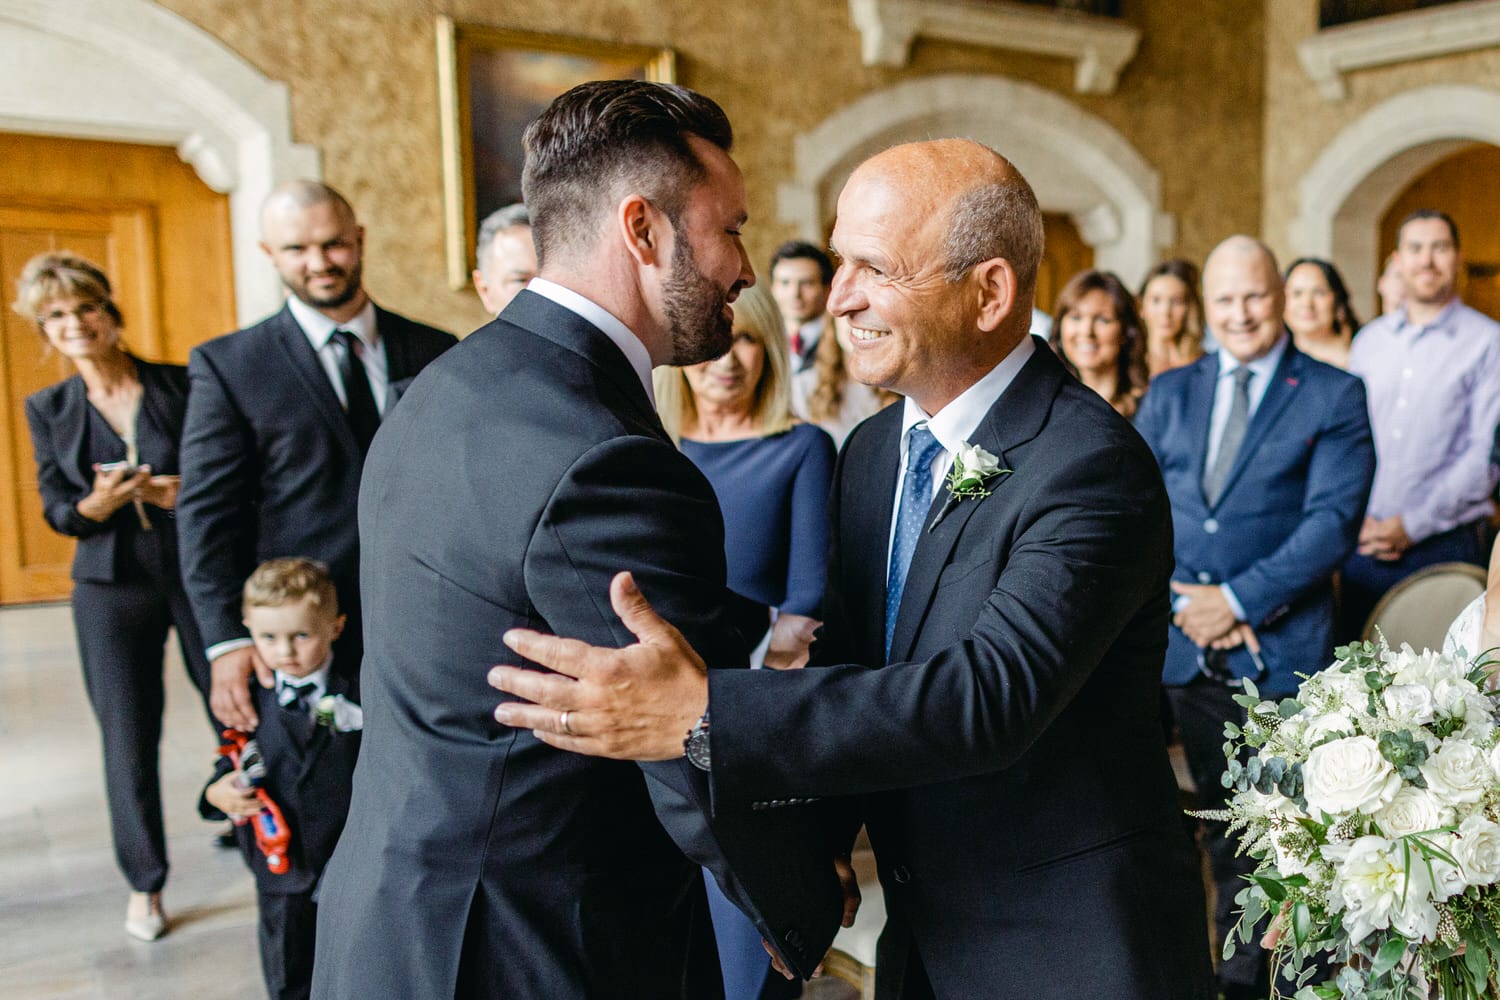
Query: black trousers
x=122, y=634
x=288, y=933
x=1201, y=708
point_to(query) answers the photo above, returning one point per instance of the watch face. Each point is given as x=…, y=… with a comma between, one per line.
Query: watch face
x=696, y=749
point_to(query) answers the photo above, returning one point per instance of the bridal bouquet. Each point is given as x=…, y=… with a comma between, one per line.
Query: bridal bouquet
x=1372, y=803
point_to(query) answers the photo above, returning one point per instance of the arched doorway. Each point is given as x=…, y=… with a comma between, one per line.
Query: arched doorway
x=1463, y=185
x=140, y=73
x=1361, y=173
x=1080, y=167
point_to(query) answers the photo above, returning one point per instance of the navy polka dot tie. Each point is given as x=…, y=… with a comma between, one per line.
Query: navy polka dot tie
x=916, y=499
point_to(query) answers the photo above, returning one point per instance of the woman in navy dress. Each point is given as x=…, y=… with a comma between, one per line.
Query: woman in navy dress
x=772, y=475
x=106, y=442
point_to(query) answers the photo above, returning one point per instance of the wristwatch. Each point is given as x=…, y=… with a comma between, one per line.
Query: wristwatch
x=695, y=745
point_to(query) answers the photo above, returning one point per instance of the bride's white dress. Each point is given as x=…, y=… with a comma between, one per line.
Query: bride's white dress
x=1466, y=631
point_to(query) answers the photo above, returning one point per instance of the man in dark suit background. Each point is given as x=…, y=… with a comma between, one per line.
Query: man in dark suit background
x=517, y=474
x=1007, y=753
x=279, y=418
x=1268, y=460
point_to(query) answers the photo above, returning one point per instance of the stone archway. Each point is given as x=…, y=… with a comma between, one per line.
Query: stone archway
x=1077, y=163
x=1369, y=163
x=130, y=70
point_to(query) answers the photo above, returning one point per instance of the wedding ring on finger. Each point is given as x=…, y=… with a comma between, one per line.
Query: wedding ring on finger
x=562, y=724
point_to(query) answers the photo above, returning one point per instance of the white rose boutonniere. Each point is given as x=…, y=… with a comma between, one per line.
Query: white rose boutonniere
x=973, y=467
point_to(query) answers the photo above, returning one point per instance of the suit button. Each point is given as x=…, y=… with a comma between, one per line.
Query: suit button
x=1211, y=526
x=1205, y=578
x=900, y=874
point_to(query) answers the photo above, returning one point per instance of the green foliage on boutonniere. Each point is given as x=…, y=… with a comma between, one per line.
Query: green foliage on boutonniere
x=973, y=468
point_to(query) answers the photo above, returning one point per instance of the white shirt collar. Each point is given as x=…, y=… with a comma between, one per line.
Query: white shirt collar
x=956, y=423
x=319, y=677
x=635, y=351
x=1263, y=367
x=319, y=327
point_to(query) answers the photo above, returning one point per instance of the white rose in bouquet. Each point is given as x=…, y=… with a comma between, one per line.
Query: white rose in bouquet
x=1329, y=691
x=1461, y=700
x=1375, y=889
x=1447, y=880
x=1409, y=704
x=1476, y=848
x=1426, y=667
x=1495, y=761
x=1327, y=725
x=1413, y=810
x=1348, y=775
x=1458, y=773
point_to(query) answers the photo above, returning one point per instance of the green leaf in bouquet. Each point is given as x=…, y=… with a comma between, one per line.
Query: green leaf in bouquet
x=1246, y=700
x=1251, y=689
x=1386, y=958
x=1275, y=768
x=1301, y=922
x=1253, y=768
x=1289, y=707
x=1272, y=887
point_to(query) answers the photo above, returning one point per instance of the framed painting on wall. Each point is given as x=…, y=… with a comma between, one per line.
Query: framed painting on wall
x=493, y=83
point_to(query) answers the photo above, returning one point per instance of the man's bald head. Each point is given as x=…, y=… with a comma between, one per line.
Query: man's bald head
x=295, y=197
x=985, y=207
x=1243, y=298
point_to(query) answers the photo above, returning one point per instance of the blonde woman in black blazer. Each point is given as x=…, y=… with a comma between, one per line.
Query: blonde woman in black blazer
x=106, y=444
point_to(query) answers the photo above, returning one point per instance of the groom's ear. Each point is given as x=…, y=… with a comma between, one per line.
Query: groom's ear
x=642, y=228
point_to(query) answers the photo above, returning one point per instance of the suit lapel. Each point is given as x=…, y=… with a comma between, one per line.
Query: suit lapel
x=550, y=321
x=399, y=363
x=319, y=737
x=72, y=418
x=1284, y=384
x=1198, y=412
x=1015, y=418
x=865, y=504
x=304, y=361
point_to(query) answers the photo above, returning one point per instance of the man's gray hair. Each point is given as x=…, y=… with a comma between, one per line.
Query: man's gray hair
x=995, y=220
x=497, y=222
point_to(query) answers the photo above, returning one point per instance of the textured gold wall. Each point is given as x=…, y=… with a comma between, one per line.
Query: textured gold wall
x=1300, y=123
x=363, y=85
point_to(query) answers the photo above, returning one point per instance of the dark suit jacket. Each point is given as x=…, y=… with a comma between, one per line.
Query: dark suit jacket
x=58, y=419
x=1010, y=758
x=519, y=473
x=270, y=466
x=309, y=774
x=1289, y=514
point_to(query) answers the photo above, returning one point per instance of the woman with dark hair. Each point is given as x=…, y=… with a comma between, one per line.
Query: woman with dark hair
x=1318, y=312
x=106, y=446
x=1098, y=336
x=1172, y=314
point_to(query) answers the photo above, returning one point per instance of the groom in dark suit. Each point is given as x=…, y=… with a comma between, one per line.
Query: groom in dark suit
x=519, y=471
x=279, y=416
x=987, y=685
x=1268, y=460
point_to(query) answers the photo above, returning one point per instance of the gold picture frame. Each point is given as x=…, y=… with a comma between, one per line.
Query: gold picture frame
x=495, y=82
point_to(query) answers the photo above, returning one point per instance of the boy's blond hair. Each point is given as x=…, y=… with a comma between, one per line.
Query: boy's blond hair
x=279, y=582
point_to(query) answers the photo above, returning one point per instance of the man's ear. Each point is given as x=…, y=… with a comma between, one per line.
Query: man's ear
x=642, y=228
x=997, y=289
x=265, y=248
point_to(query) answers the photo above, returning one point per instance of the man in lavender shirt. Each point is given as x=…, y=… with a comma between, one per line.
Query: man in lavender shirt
x=1432, y=373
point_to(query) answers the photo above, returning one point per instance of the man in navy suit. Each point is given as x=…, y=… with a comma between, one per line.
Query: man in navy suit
x=1268, y=461
x=279, y=418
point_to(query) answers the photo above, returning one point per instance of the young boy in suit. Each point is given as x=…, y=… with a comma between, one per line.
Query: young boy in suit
x=309, y=738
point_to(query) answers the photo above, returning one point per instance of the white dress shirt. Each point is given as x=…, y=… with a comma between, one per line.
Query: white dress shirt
x=318, y=678
x=319, y=330
x=956, y=423
x=608, y=324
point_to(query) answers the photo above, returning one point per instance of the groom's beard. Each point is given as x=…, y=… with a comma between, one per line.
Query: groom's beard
x=698, y=315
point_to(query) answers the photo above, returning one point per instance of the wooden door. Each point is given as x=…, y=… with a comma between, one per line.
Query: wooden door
x=1064, y=255
x=163, y=239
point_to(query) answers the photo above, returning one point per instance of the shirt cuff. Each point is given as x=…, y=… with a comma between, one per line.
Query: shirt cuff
x=1233, y=602
x=218, y=649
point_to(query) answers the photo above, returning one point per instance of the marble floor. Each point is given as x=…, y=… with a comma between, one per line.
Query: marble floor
x=62, y=900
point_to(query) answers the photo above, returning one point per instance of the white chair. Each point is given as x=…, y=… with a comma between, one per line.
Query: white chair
x=852, y=957
x=1419, y=609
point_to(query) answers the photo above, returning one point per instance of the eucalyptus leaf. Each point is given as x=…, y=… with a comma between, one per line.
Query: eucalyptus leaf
x=1386, y=958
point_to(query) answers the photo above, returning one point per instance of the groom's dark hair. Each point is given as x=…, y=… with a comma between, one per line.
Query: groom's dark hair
x=606, y=139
